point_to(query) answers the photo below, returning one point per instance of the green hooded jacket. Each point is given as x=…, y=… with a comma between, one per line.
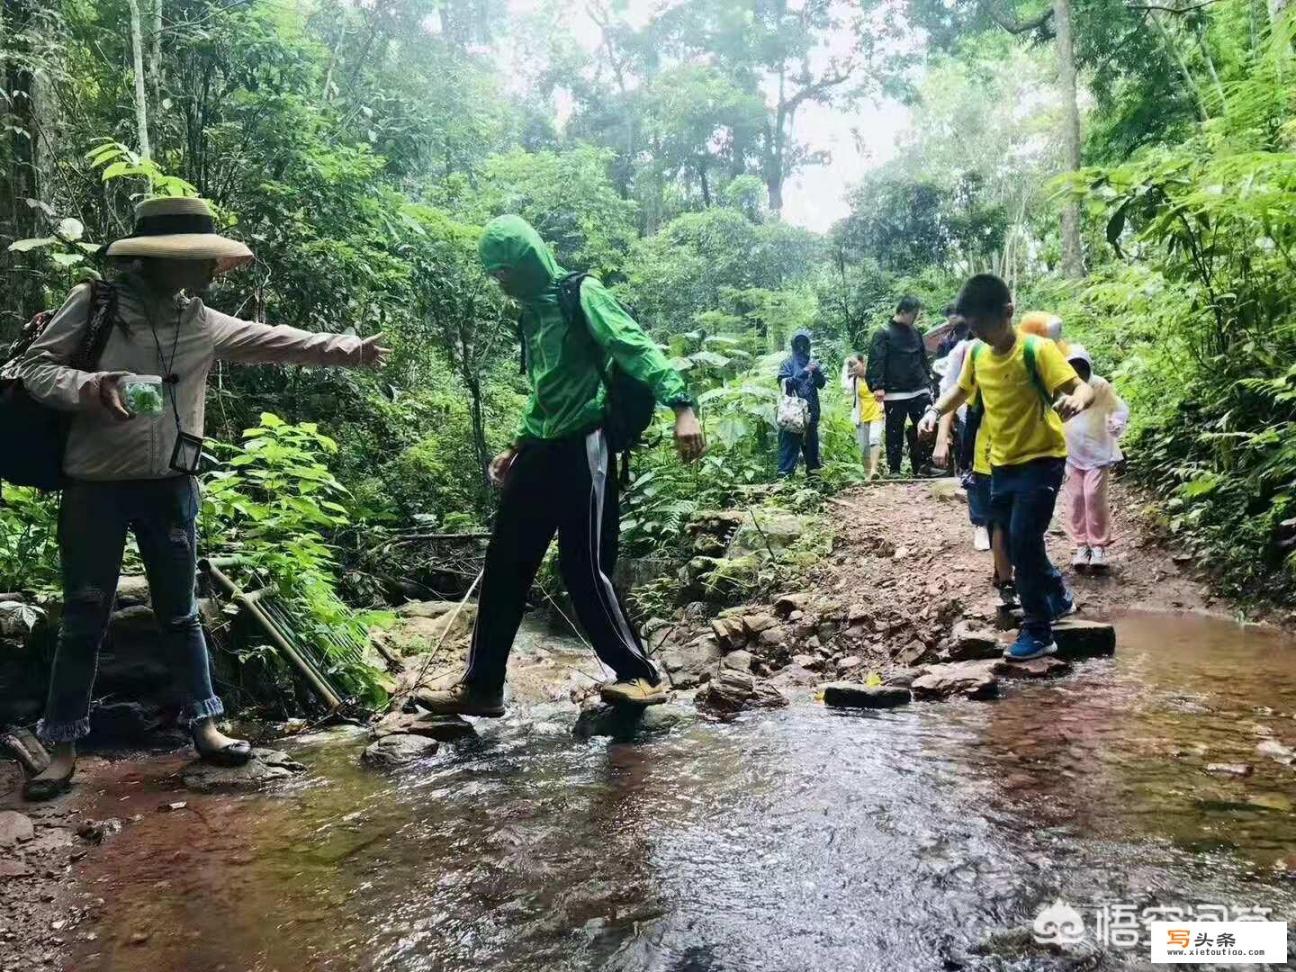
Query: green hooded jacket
x=567, y=394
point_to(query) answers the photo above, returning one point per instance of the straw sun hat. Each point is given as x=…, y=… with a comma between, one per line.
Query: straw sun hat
x=179, y=229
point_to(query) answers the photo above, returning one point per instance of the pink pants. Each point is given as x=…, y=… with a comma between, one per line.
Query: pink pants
x=1088, y=518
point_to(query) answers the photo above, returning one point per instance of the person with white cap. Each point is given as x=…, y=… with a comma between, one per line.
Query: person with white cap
x=125, y=471
x=1093, y=447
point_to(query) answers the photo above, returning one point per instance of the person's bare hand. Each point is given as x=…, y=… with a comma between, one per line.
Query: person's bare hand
x=110, y=396
x=879, y=396
x=1069, y=406
x=689, y=440
x=500, y=467
x=940, y=454
x=927, y=425
x=372, y=353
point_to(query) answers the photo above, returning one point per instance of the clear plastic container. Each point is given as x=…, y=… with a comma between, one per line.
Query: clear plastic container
x=142, y=394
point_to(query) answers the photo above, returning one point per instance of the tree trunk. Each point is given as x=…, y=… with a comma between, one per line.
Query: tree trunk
x=141, y=98
x=155, y=55
x=1072, y=254
x=706, y=186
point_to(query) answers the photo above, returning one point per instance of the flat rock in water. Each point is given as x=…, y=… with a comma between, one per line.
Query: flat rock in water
x=731, y=692
x=266, y=766
x=969, y=641
x=399, y=749
x=1048, y=667
x=1229, y=769
x=1078, y=638
x=626, y=721
x=1276, y=750
x=445, y=728
x=852, y=695
x=15, y=828
x=967, y=680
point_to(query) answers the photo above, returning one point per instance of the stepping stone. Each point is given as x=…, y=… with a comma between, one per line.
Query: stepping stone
x=627, y=721
x=1048, y=667
x=398, y=749
x=853, y=695
x=1078, y=638
x=968, y=680
x=265, y=766
x=444, y=728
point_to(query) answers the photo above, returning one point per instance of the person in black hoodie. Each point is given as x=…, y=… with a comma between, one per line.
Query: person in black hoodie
x=900, y=376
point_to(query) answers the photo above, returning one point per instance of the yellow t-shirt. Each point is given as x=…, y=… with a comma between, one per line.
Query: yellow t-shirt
x=870, y=408
x=1013, y=421
x=981, y=449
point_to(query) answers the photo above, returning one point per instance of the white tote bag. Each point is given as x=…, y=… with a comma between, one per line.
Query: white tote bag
x=793, y=414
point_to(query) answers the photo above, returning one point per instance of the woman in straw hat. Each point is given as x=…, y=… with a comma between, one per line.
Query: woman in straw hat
x=135, y=471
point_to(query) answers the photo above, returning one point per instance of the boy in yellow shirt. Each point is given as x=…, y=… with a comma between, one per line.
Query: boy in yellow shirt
x=1028, y=390
x=866, y=411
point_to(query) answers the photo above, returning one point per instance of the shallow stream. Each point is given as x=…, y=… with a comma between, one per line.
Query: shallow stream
x=927, y=837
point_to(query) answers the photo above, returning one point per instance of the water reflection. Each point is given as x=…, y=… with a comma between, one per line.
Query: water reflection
x=802, y=839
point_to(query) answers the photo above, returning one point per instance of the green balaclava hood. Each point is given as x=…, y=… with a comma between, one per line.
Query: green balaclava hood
x=511, y=243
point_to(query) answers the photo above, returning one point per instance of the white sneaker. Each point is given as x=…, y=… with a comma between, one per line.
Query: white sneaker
x=980, y=538
x=1083, y=557
x=1098, y=558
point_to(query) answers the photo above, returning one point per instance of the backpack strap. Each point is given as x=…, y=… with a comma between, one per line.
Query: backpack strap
x=1029, y=353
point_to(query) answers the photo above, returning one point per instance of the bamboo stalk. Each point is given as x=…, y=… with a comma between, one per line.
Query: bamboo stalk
x=285, y=647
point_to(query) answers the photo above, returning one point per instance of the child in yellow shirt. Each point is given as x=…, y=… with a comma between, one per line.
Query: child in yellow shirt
x=1028, y=389
x=866, y=412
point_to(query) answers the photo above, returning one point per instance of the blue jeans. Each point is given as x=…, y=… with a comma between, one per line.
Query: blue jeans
x=792, y=444
x=1022, y=499
x=93, y=520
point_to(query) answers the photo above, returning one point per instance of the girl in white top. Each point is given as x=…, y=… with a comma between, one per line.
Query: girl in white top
x=1092, y=449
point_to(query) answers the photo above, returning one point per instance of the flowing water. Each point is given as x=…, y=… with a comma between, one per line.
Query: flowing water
x=922, y=838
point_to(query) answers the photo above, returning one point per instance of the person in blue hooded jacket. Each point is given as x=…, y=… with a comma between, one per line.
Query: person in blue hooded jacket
x=801, y=375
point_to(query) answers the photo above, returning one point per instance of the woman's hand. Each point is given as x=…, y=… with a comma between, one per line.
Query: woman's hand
x=110, y=396
x=373, y=354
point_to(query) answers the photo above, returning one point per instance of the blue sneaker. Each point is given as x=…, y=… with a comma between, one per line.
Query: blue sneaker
x=1028, y=646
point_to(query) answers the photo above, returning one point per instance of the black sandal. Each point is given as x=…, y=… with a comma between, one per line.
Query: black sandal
x=236, y=753
x=37, y=790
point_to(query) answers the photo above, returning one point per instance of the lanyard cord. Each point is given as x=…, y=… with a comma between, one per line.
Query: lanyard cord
x=169, y=379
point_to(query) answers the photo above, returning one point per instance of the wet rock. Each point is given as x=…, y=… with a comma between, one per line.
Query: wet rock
x=690, y=665
x=1047, y=667
x=903, y=678
x=967, y=679
x=23, y=746
x=15, y=828
x=852, y=695
x=1276, y=751
x=97, y=831
x=1229, y=769
x=626, y=721
x=1078, y=638
x=729, y=633
x=443, y=728
x=731, y=692
x=266, y=766
x=398, y=749
x=739, y=661
x=128, y=722
x=969, y=641
x=849, y=663
x=794, y=676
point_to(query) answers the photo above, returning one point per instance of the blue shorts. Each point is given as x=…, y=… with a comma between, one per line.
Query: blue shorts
x=978, y=494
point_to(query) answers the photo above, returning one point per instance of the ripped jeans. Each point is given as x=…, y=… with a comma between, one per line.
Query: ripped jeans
x=93, y=521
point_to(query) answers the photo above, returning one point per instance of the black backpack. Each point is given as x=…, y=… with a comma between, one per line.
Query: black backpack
x=630, y=403
x=33, y=436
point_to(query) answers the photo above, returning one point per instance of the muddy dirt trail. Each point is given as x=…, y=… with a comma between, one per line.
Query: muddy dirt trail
x=926, y=837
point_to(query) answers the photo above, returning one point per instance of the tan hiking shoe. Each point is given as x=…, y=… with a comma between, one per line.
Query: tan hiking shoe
x=462, y=699
x=640, y=691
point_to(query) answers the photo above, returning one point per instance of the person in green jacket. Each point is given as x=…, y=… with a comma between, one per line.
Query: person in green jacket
x=558, y=476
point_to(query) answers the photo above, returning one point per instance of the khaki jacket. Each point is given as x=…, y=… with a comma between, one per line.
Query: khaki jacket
x=154, y=336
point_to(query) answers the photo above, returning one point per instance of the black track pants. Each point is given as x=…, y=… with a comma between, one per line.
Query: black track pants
x=898, y=431
x=569, y=487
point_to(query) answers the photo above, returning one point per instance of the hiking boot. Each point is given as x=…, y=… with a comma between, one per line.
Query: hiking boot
x=980, y=538
x=1029, y=646
x=1098, y=558
x=639, y=691
x=463, y=699
x=1083, y=558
